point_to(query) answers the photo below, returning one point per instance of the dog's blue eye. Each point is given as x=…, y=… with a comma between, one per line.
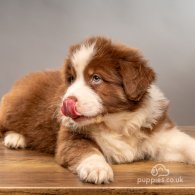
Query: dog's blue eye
x=96, y=79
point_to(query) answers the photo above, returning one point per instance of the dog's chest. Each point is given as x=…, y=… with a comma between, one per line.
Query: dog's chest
x=118, y=148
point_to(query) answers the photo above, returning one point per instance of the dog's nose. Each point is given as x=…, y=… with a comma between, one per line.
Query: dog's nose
x=69, y=108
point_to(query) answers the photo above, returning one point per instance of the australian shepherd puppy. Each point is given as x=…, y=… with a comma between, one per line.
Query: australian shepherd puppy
x=101, y=107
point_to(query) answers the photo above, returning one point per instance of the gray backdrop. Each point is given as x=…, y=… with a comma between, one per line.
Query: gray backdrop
x=35, y=35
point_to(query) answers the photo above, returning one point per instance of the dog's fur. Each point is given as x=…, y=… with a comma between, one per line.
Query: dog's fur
x=124, y=115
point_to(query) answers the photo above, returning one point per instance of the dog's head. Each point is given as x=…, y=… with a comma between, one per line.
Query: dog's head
x=102, y=78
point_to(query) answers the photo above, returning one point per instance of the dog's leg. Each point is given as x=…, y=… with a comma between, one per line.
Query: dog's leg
x=14, y=140
x=173, y=145
x=82, y=157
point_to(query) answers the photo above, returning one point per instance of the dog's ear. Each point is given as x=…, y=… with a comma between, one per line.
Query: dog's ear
x=136, y=75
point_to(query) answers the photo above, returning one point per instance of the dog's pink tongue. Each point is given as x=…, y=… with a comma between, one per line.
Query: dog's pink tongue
x=69, y=108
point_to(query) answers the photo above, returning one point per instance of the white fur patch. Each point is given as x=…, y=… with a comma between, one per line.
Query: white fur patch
x=82, y=57
x=95, y=169
x=173, y=145
x=14, y=140
x=115, y=149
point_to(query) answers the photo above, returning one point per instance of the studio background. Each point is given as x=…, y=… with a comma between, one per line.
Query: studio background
x=35, y=35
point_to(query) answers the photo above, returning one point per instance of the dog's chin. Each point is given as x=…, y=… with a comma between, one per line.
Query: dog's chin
x=81, y=121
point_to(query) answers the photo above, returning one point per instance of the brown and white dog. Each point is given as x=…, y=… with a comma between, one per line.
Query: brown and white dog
x=101, y=108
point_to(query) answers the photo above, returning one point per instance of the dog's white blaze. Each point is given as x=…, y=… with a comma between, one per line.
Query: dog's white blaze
x=89, y=103
x=82, y=57
x=14, y=140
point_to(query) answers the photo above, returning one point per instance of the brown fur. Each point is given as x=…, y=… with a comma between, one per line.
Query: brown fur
x=30, y=109
x=72, y=148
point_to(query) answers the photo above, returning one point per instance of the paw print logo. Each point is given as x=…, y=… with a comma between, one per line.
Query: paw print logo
x=159, y=170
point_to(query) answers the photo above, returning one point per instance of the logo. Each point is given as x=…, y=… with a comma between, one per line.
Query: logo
x=159, y=170
x=159, y=174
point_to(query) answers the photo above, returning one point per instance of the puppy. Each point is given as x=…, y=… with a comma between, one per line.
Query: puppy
x=101, y=108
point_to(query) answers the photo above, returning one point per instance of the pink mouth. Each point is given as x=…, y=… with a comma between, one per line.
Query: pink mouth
x=69, y=109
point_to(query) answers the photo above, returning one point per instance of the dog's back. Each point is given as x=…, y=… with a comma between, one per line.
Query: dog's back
x=22, y=109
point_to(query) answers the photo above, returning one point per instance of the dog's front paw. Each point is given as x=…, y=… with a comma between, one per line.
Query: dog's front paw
x=95, y=169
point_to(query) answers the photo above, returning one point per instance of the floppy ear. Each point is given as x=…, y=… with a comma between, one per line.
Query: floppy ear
x=136, y=75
